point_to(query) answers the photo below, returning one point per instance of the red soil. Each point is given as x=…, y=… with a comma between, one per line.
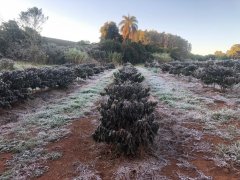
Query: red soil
x=3, y=159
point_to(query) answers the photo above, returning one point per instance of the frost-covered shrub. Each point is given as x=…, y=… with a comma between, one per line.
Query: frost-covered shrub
x=166, y=67
x=7, y=96
x=189, y=70
x=127, y=118
x=177, y=69
x=223, y=76
x=128, y=72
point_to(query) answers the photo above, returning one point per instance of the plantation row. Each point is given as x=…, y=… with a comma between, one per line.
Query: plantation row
x=226, y=74
x=127, y=118
x=18, y=85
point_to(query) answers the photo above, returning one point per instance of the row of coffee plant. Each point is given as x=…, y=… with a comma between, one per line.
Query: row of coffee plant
x=127, y=118
x=226, y=74
x=19, y=85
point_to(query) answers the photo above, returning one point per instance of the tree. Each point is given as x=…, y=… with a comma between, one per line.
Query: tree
x=110, y=31
x=140, y=36
x=155, y=38
x=128, y=26
x=220, y=55
x=234, y=52
x=12, y=39
x=33, y=18
x=135, y=53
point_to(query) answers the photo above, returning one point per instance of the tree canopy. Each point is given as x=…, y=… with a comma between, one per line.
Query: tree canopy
x=234, y=52
x=110, y=31
x=33, y=18
x=128, y=26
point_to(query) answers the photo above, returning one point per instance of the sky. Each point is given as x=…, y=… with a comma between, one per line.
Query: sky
x=209, y=25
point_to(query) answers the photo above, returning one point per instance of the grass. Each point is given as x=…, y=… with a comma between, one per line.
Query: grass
x=230, y=152
x=48, y=125
x=224, y=115
x=20, y=65
x=170, y=93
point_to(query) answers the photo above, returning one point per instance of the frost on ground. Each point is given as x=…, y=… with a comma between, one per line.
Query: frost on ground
x=141, y=171
x=26, y=137
x=188, y=110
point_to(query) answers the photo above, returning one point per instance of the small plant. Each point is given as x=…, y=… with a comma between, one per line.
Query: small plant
x=54, y=155
x=224, y=115
x=230, y=152
x=166, y=67
x=128, y=73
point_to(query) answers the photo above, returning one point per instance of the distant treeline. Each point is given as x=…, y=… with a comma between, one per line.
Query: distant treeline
x=21, y=40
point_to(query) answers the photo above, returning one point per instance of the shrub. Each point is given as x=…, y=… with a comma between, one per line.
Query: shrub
x=98, y=55
x=6, y=64
x=55, y=54
x=162, y=57
x=56, y=76
x=127, y=118
x=177, y=69
x=110, y=46
x=135, y=53
x=76, y=56
x=35, y=54
x=17, y=85
x=115, y=57
x=166, y=67
x=189, y=70
x=7, y=96
x=128, y=73
x=223, y=76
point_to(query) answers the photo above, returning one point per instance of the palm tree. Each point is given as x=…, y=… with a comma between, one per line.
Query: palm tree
x=128, y=26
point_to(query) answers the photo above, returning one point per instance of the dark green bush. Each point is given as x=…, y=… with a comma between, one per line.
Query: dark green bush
x=127, y=119
x=128, y=73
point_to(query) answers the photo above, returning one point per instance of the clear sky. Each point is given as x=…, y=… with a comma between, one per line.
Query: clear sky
x=209, y=25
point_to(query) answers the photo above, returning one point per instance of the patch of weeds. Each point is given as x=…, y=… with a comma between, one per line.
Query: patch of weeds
x=209, y=127
x=85, y=172
x=17, y=146
x=224, y=115
x=54, y=155
x=25, y=165
x=233, y=130
x=230, y=152
x=186, y=106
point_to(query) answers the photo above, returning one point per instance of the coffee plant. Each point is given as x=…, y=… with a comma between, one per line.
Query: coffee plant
x=127, y=118
x=18, y=85
x=128, y=73
x=225, y=74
